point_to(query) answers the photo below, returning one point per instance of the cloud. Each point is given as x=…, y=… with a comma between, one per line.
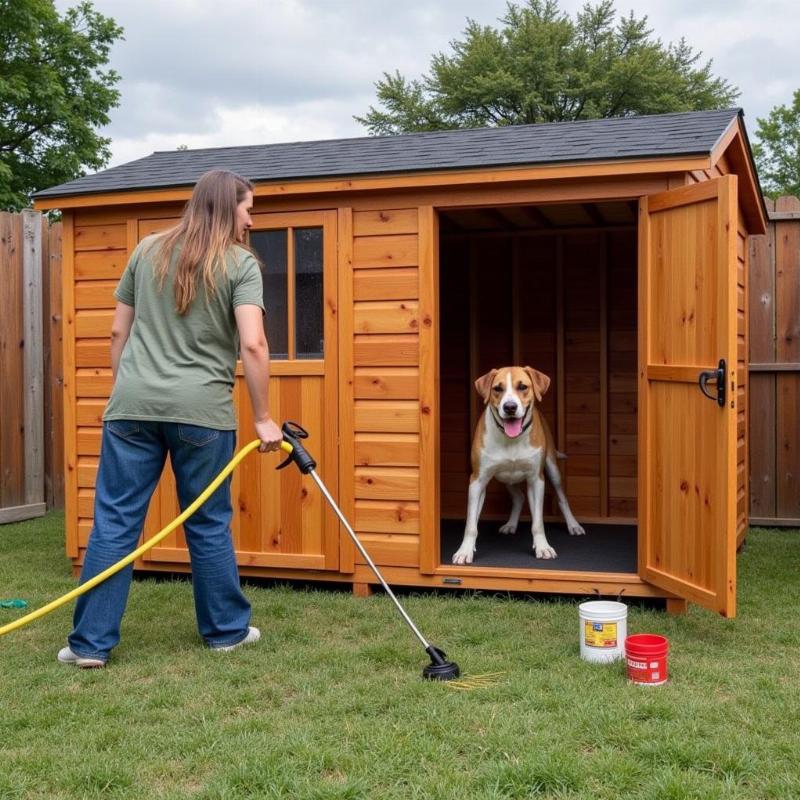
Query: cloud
x=202, y=73
x=246, y=124
x=186, y=65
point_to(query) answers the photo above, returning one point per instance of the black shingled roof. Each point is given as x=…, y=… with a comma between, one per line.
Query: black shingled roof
x=662, y=135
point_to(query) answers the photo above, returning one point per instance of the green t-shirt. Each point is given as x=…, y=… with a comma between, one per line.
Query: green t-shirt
x=177, y=368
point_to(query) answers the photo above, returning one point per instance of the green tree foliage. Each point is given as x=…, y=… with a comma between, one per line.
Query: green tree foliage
x=541, y=66
x=54, y=94
x=777, y=151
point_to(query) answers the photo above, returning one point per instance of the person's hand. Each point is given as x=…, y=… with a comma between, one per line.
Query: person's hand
x=270, y=435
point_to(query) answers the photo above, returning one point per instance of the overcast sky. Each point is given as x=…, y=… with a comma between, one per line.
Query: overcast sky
x=206, y=73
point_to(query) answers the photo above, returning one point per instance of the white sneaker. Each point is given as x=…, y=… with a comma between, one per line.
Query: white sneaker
x=66, y=656
x=253, y=635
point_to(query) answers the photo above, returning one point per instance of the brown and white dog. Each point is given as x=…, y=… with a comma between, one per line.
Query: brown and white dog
x=513, y=444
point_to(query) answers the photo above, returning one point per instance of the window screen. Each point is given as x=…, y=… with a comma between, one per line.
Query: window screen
x=272, y=249
x=292, y=276
x=308, y=292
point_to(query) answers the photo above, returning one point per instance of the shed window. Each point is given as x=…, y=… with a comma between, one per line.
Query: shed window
x=292, y=276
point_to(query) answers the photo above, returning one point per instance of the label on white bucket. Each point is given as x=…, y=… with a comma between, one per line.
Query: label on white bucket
x=603, y=630
x=600, y=634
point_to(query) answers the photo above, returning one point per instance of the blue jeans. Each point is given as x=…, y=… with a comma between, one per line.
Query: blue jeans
x=132, y=457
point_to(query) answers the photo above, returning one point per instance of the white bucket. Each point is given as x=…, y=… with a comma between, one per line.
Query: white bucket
x=603, y=629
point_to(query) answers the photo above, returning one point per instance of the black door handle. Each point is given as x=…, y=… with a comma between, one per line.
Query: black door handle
x=717, y=375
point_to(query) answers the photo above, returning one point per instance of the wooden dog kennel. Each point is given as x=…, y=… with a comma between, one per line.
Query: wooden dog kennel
x=610, y=254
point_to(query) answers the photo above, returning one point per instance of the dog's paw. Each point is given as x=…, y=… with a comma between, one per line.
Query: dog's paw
x=576, y=530
x=543, y=550
x=463, y=555
x=508, y=528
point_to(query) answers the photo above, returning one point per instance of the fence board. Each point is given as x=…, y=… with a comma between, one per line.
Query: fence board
x=12, y=466
x=53, y=365
x=774, y=313
x=787, y=350
x=787, y=416
x=31, y=426
x=33, y=357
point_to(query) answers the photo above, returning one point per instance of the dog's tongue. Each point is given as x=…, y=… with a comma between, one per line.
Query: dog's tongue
x=512, y=427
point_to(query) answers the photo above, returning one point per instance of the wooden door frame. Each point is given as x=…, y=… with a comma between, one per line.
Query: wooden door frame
x=327, y=368
x=430, y=550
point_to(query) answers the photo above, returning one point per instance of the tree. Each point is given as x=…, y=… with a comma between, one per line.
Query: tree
x=777, y=151
x=54, y=94
x=543, y=67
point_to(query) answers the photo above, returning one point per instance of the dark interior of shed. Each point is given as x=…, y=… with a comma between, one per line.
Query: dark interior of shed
x=553, y=287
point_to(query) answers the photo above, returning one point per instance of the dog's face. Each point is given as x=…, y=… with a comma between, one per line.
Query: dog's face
x=511, y=392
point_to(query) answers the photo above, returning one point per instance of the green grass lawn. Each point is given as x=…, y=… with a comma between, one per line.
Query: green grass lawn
x=330, y=703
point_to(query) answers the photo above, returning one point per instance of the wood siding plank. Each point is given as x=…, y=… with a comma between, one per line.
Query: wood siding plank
x=90, y=352
x=95, y=294
x=386, y=284
x=386, y=317
x=100, y=264
x=385, y=221
x=385, y=251
x=382, y=516
x=388, y=351
x=100, y=237
x=390, y=549
x=396, y=416
x=386, y=383
x=386, y=483
x=88, y=413
x=387, y=449
x=93, y=324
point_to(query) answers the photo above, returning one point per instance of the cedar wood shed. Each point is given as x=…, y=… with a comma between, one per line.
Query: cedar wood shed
x=610, y=254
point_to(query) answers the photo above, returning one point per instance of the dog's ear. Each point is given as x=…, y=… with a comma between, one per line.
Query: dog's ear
x=484, y=384
x=539, y=381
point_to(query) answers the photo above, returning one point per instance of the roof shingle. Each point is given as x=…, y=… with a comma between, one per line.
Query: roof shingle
x=662, y=135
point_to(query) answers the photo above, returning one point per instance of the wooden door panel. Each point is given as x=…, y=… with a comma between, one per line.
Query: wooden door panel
x=281, y=513
x=687, y=475
x=685, y=499
x=685, y=329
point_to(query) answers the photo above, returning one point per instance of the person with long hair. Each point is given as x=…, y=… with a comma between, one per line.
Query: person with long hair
x=189, y=299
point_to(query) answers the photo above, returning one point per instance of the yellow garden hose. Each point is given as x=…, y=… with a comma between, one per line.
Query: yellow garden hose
x=114, y=568
x=293, y=434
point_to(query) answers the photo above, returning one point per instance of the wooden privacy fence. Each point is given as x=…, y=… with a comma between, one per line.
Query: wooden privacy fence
x=775, y=368
x=31, y=415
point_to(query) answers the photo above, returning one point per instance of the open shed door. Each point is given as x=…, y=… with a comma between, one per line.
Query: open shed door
x=687, y=398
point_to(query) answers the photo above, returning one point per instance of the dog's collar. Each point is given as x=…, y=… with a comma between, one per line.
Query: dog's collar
x=524, y=427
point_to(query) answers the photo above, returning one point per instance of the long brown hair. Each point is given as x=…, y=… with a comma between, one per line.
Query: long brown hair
x=206, y=231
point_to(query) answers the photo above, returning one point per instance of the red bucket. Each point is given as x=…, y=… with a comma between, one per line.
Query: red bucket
x=646, y=658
